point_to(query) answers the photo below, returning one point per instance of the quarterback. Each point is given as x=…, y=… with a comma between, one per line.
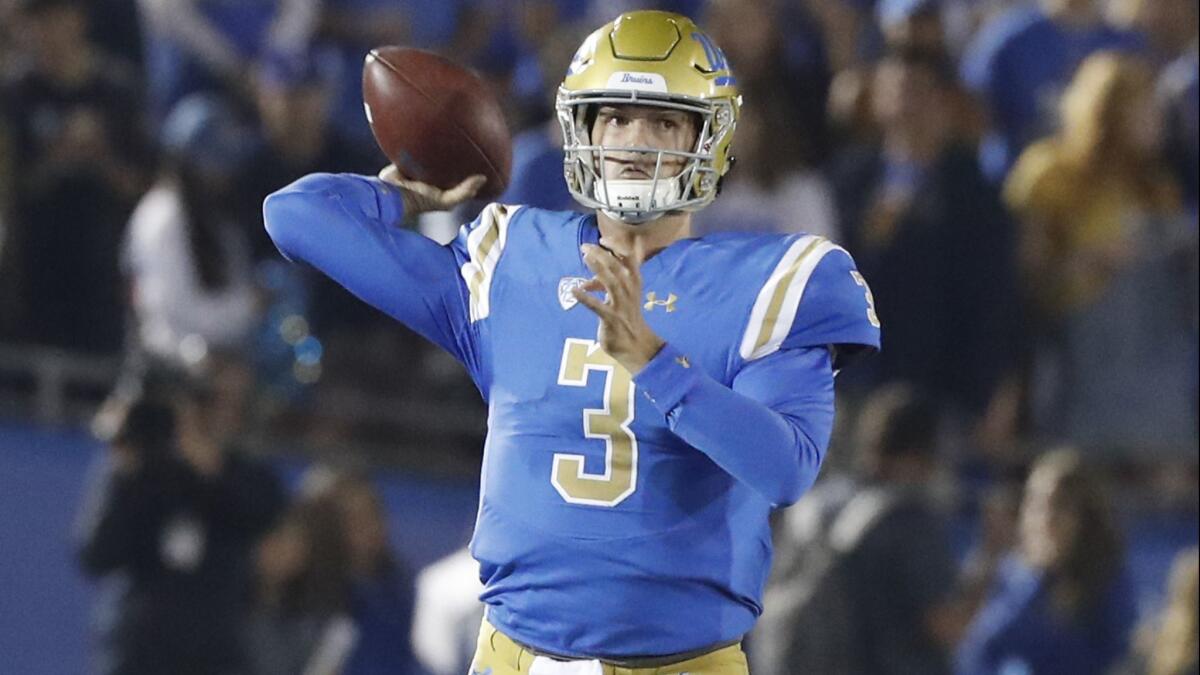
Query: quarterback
x=651, y=396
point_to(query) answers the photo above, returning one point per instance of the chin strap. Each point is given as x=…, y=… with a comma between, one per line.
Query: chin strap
x=630, y=201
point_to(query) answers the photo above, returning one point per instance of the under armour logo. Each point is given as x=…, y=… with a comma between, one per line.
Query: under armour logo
x=652, y=301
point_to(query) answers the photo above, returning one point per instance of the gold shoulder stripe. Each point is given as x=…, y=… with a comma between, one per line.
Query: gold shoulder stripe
x=778, y=301
x=484, y=246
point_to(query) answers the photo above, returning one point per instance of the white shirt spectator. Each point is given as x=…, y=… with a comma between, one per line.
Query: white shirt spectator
x=170, y=303
x=447, y=614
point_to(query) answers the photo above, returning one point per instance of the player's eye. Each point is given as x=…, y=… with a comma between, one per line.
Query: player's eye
x=667, y=124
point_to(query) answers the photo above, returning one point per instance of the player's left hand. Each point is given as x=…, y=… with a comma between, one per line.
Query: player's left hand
x=624, y=333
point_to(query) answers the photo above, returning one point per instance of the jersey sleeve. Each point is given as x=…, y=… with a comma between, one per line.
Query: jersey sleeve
x=346, y=226
x=769, y=430
x=815, y=296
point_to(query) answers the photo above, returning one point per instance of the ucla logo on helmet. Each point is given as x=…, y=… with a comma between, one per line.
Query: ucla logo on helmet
x=581, y=59
x=716, y=59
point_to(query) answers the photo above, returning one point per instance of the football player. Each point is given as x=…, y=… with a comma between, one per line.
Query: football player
x=651, y=396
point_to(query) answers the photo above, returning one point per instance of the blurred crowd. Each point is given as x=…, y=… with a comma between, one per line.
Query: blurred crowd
x=207, y=564
x=1017, y=179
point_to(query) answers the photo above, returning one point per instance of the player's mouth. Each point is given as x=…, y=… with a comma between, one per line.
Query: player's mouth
x=631, y=170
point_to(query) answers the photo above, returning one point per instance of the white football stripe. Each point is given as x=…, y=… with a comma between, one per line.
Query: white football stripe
x=795, y=269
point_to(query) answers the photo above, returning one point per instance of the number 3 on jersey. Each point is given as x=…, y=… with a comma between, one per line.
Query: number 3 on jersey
x=610, y=424
x=871, y=315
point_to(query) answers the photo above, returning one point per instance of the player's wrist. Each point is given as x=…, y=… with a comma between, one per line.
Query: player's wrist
x=410, y=204
x=637, y=362
x=667, y=378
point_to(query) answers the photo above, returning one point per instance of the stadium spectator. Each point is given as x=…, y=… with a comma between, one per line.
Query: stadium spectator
x=301, y=623
x=1018, y=64
x=188, y=259
x=78, y=154
x=1065, y=603
x=929, y=232
x=208, y=45
x=381, y=589
x=168, y=527
x=864, y=578
x=1107, y=257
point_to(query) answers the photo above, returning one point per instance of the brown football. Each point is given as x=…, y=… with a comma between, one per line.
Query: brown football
x=435, y=120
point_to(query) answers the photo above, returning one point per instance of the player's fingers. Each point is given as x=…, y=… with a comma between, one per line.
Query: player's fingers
x=391, y=174
x=598, y=260
x=464, y=190
x=593, y=284
x=609, y=271
x=621, y=260
x=604, y=311
x=608, y=260
x=628, y=265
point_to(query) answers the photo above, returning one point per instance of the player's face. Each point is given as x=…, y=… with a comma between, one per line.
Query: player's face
x=647, y=127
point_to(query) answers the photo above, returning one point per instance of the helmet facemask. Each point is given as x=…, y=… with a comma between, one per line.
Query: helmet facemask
x=641, y=200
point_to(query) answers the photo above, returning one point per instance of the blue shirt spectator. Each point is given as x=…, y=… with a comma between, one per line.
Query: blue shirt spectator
x=1019, y=630
x=382, y=589
x=382, y=607
x=1018, y=65
x=1065, y=602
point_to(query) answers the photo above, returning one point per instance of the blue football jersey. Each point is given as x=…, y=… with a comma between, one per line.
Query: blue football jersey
x=619, y=516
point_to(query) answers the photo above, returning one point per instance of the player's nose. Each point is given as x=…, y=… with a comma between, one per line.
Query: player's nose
x=642, y=131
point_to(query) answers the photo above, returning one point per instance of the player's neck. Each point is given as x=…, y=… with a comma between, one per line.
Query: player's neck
x=655, y=235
